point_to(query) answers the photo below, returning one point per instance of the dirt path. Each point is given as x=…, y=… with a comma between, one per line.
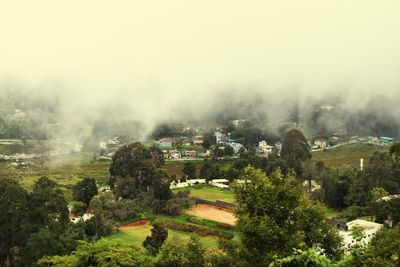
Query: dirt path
x=213, y=213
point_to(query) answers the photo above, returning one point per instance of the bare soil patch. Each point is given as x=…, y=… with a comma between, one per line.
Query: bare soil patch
x=135, y=224
x=213, y=213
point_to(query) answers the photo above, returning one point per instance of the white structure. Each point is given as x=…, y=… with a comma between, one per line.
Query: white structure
x=264, y=148
x=85, y=217
x=190, y=182
x=370, y=228
x=361, y=164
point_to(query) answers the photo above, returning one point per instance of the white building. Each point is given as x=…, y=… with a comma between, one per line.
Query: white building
x=264, y=148
x=370, y=228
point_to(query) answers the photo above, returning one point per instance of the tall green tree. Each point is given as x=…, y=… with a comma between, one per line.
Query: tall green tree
x=13, y=220
x=189, y=168
x=378, y=172
x=132, y=170
x=153, y=242
x=48, y=207
x=295, y=149
x=43, y=243
x=274, y=216
x=85, y=190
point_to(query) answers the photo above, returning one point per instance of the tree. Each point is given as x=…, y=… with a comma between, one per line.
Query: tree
x=13, y=219
x=85, y=190
x=228, y=151
x=357, y=233
x=379, y=173
x=43, y=243
x=132, y=170
x=102, y=253
x=189, y=168
x=195, y=252
x=48, y=207
x=101, y=223
x=208, y=140
x=377, y=193
x=274, y=216
x=78, y=208
x=303, y=258
x=206, y=171
x=295, y=149
x=157, y=156
x=153, y=242
x=173, y=253
x=395, y=149
x=383, y=251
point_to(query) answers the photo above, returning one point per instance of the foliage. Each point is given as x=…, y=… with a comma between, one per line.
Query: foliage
x=193, y=228
x=378, y=172
x=102, y=253
x=303, y=258
x=43, y=243
x=395, y=149
x=174, y=254
x=85, y=190
x=295, y=149
x=388, y=210
x=274, y=216
x=377, y=193
x=189, y=168
x=48, y=207
x=153, y=242
x=78, y=208
x=13, y=219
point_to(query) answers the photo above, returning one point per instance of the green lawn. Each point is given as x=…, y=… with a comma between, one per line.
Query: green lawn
x=349, y=154
x=136, y=236
x=210, y=193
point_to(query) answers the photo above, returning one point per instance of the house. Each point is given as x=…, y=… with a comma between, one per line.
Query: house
x=186, y=142
x=277, y=148
x=237, y=122
x=190, y=153
x=369, y=230
x=320, y=143
x=111, y=142
x=174, y=154
x=384, y=140
x=167, y=142
x=218, y=137
x=264, y=149
x=171, y=154
x=236, y=146
x=198, y=140
x=388, y=198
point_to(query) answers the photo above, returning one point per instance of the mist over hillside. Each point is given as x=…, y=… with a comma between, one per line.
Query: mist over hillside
x=81, y=69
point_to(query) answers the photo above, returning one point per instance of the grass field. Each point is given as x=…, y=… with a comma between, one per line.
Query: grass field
x=137, y=234
x=66, y=170
x=349, y=154
x=210, y=193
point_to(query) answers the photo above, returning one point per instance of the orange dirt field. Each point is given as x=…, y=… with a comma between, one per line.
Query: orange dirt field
x=213, y=213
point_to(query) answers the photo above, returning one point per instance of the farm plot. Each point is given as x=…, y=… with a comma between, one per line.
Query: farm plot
x=213, y=213
x=135, y=233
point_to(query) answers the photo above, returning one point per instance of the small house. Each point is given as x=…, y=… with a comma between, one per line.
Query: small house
x=167, y=142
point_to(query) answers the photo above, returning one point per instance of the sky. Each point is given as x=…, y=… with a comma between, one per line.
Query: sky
x=156, y=55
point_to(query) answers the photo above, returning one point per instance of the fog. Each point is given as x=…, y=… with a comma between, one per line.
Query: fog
x=155, y=61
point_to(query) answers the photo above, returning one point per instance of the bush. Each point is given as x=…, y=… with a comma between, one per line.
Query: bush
x=192, y=228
